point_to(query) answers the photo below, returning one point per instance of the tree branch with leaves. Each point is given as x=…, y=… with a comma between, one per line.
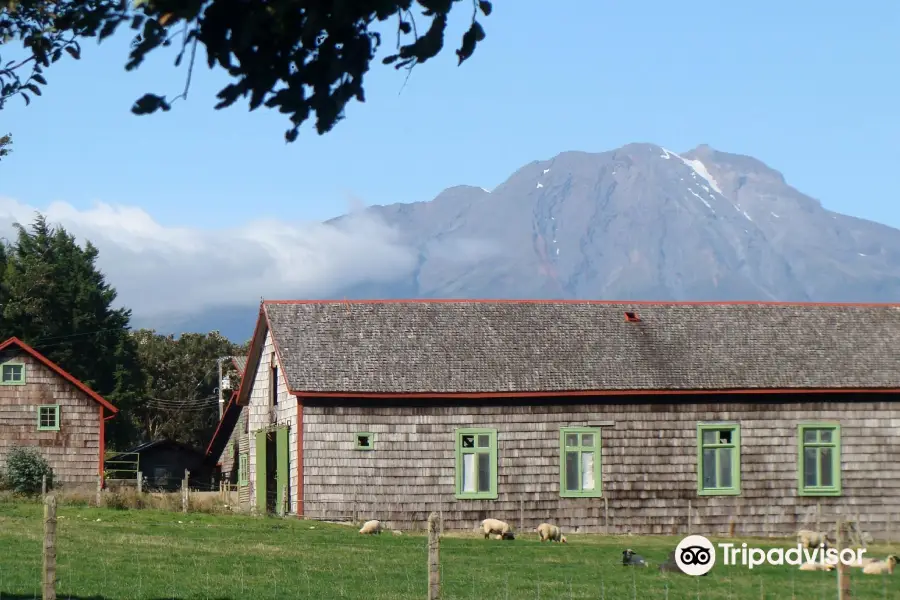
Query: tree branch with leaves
x=301, y=57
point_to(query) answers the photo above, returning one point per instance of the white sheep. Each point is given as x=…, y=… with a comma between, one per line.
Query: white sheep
x=880, y=567
x=495, y=526
x=546, y=531
x=370, y=527
x=809, y=538
x=816, y=566
x=860, y=563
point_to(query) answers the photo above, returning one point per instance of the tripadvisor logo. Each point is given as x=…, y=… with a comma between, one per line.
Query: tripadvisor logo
x=696, y=555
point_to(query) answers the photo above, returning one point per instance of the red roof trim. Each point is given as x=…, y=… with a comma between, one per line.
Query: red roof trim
x=14, y=341
x=231, y=401
x=607, y=302
x=256, y=343
x=576, y=393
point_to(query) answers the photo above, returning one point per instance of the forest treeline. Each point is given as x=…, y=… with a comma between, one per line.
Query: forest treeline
x=54, y=298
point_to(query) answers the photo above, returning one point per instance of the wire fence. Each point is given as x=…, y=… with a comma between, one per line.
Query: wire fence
x=77, y=551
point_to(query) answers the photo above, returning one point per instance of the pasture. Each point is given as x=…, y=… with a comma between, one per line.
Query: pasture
x=107, y=554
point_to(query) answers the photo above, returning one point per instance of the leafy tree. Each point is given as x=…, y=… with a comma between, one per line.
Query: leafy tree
x=5, y=145
x=180, y=400
x=299, y=56
x=25, y=470
x=55, y=299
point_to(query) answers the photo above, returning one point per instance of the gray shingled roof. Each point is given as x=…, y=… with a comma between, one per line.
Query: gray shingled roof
x=240, y=363
x=468, y=346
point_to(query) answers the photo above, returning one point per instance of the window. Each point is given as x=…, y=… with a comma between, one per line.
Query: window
x=579, y=474
x=48, y=417
x=243, y=474
x=12, y=373
x=719, y=459
x=273, y=381
x=365, y=441
x=476, y=464
x=819, y=470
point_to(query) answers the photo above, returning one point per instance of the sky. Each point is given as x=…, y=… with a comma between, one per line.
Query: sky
x=198, y=197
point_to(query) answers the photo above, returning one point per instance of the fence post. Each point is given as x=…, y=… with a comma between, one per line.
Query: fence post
x=843, y=575
x=99, y=490
x=521, y=516
x=184, y=491
x=284, y=499
x=434, y=563
x=140, y=482
x=690, y=518
x=43, y=485
x=606, y=515
x=49, y=570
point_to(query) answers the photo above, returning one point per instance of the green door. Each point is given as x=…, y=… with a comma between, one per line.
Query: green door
x=282, y=439
x=261, y=472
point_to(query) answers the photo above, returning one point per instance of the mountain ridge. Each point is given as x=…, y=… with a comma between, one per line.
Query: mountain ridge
x=639, y=222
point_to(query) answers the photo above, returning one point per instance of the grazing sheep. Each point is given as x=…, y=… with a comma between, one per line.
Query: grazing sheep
x=816, y=566
x=862, y=563
x=489, y=526
x=546, y=531
x=808, y=538
x=630, y=559
x=370, y=527
x=880, y=567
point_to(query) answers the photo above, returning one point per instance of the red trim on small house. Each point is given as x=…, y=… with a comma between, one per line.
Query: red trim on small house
x=252, y=366
x=13, y=341
x=576, y=393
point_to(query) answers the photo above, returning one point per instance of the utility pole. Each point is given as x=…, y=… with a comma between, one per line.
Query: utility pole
x=219, y=386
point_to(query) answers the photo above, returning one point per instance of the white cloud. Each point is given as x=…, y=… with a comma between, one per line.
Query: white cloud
x=159, y=270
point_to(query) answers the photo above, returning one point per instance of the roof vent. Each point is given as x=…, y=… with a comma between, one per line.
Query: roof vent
x=631, y=317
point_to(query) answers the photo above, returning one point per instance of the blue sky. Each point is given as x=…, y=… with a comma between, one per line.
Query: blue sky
x=810, y=88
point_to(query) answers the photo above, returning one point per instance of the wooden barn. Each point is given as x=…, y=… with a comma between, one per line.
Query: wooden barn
x=162, y=464
x=44, y=407
x=636, y=417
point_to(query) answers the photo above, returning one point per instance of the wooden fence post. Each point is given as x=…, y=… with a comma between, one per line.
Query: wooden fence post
x=606, y=515
x=521, y=516
x=184, y=491
x=99, y=490
x=49, y=570
x=843, y=574
x=434, y=563
x=690, y=518
x=43, y=486
x=140, y=482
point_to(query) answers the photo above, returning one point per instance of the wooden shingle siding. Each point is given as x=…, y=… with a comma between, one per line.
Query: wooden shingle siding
x=74, y=451
x=649, y=463
x=258, y=412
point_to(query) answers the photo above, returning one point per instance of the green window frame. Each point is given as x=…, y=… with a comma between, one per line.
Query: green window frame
x=365, y=440
x=12, y=373
x=819, y=459
x=580, y=459
x=718, y=459
x=243, y=469
x=48, y=417
x=476, y=464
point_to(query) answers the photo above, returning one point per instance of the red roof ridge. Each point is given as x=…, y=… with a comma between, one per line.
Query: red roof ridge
x=14, y=341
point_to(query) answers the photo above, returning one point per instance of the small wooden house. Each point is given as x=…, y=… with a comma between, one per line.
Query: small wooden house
x=162, y=464
x=44, y=407
x=641, y=417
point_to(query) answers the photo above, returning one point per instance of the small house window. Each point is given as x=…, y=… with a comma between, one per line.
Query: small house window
x=12, y=373
x=476, y=464
x=820, y=459
x=243, y=470
x=365, y=441
x=48, y=417
x=719, y=459
x=580, y=462
x=273, y=380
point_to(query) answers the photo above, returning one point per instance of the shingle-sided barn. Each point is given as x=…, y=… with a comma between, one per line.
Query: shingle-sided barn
x=44, y=407
x=598, y=416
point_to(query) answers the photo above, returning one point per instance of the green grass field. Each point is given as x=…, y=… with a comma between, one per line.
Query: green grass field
x=125, y=554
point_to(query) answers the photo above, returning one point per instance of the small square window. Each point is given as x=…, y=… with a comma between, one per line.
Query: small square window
x=48, y=417
x=468, y=441
x=365, y=441
x=12, y=374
